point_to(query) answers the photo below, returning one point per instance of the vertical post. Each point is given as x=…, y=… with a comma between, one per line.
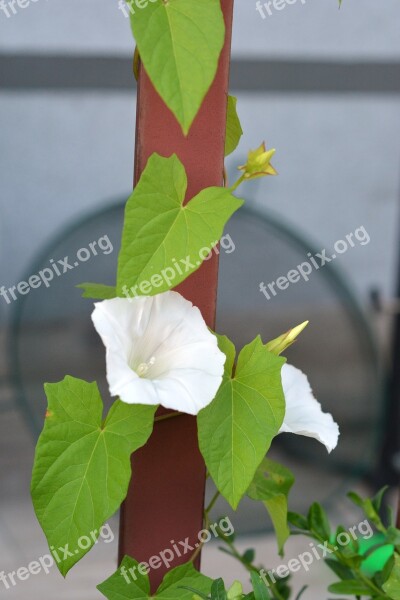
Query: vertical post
x=165, y=501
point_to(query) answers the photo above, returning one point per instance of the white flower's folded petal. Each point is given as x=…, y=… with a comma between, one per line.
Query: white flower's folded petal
x=159, y=351
x=304, y=415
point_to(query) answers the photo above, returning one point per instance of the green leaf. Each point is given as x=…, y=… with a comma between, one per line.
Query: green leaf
x=162, y=240
x=185, y=575
x=392, y=586
x=339, y=569
x=318, y=522
x=233, y=127
x=249, y=556
x=259, y=587
x=179, y=43
x=128, y=583
x=393, y=536
x=272, y=484
x=382, y=576
x=298, y=520
x=369, y=508
x=356, y=499
x=236, y=429
x=98, y=291
x=235, y=592
x=351, y=587
x=218, y=590
x=82, y=466
x=378, y=498
x=228, y=348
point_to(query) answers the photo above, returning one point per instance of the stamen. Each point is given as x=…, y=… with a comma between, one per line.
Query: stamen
x=144, y=367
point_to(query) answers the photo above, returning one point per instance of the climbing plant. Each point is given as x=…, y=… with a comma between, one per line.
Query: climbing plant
x=159, y=351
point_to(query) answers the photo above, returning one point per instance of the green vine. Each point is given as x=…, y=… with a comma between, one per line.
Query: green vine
x=160, y=352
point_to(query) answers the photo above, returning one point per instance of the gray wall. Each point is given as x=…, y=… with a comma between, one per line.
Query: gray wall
x=65, y=153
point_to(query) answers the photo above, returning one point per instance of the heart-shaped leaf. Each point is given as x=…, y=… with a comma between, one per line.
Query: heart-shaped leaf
x=236, y=429
x=180, y=42
x=164, y=241
x=129, y=583
x=82, y=465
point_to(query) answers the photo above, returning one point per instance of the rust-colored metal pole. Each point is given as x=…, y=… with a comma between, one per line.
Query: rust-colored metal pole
x=166, y=498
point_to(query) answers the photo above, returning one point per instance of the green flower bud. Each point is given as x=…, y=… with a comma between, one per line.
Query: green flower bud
x=258, y=163
x=283, y=342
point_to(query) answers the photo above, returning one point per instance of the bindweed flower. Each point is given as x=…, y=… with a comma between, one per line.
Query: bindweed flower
x=304, y=415
x=258, y=163
x=159, y=351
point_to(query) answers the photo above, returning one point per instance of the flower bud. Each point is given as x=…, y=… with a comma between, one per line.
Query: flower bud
x=281, y=343
x=258, y=163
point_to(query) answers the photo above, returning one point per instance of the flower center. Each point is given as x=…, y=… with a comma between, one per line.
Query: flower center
x=143, y=368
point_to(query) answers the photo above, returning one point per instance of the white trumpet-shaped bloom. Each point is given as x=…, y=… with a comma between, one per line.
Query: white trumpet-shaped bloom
x=304, y=415
x=159, y=351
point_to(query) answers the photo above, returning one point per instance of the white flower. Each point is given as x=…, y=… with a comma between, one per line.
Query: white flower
x=304, y=415
x=159, y=351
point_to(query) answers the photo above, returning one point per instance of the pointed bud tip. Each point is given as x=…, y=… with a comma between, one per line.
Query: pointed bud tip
x=299, y=328
x=283, y=342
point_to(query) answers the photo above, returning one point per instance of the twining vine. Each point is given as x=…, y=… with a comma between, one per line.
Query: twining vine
x=159, y=352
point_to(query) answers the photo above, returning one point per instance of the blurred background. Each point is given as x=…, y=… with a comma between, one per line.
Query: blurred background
x=320, y=85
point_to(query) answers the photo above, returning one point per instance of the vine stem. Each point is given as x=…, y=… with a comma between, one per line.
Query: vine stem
x=212, y=503
x=237, y=183
x=370, y=584
x=303, y=589
x=236, y=554
x=206, y=524
x=251, y=568
x=171, y=415
x=225, y=177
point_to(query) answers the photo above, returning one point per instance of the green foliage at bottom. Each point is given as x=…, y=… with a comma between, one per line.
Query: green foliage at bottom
x=131, y=582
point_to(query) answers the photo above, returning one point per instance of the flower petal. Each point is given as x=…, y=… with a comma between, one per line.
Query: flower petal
x=168, y=337
x=304, y=415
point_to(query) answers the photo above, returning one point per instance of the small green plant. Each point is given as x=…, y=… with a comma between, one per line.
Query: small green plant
x=348, y=558
x=341, y=549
